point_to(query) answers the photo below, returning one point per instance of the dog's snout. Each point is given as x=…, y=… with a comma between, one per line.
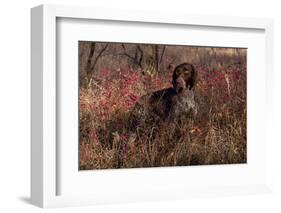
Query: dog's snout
x=180, y=85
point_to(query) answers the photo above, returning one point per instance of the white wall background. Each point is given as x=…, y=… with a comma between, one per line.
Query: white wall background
x=15, y=105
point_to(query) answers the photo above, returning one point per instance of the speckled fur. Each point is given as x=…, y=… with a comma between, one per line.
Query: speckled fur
x=171, y=105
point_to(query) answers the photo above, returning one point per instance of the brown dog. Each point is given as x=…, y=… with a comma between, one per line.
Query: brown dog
x=171, y=105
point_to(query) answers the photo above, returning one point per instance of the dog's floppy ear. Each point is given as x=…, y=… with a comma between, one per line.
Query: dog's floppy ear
x=193, y=80
x=176, y=74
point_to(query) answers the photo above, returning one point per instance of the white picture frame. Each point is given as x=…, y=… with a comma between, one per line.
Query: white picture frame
x=44, y=149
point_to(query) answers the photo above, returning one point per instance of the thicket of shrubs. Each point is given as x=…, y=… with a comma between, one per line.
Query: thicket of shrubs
x=216, y=136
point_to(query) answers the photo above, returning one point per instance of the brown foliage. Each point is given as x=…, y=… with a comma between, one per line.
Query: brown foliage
x=216, y=136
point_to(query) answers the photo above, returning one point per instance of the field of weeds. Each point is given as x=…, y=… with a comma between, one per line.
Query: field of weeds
x=114, y=76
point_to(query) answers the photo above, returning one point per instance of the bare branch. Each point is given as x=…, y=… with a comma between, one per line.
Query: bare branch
x=136, y=58
x=162, y=54
x=89, y=60
x=126, y=54
x=99, y=55
x=141, y=56
x=156, y=56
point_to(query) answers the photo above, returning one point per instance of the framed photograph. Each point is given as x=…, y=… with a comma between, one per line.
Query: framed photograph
x=129, y=106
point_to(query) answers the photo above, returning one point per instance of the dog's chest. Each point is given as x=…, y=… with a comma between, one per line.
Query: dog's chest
x=185, y=105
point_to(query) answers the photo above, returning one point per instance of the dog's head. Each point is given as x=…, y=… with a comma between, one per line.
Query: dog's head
x=184, y=77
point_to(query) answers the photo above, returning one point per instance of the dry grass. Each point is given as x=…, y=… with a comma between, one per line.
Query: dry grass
x=216, y=136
